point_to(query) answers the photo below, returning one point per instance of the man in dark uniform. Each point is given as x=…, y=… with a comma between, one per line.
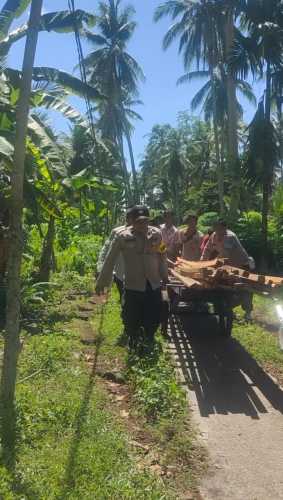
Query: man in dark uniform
x=145, y=268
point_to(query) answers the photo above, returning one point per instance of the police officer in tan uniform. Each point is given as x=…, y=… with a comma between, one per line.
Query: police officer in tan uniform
x=119, y=271
x=145, y=269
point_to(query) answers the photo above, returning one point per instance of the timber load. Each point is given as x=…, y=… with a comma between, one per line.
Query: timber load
x=218, y=274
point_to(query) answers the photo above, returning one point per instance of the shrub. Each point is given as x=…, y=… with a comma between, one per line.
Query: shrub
x=206, y=221
x=248, y=229
x=81, y=255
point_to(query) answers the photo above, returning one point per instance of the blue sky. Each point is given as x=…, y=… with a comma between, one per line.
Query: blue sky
x=162, y=99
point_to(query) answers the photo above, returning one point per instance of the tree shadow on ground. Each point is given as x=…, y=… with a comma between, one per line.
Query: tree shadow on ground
x=81, y=419
x=224, y=376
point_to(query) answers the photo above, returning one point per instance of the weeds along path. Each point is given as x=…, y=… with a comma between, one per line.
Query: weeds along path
x=238, y=408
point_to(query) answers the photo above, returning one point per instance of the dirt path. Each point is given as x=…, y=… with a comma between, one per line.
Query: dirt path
x=238, y=408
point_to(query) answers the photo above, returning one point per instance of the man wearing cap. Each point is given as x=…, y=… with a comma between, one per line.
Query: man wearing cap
x=119, y=269
x=145, y=268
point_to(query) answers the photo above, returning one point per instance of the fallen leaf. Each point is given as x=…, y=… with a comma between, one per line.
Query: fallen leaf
x=124, y=414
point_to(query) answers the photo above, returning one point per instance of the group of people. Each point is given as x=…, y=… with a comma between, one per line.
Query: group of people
x=138, y=254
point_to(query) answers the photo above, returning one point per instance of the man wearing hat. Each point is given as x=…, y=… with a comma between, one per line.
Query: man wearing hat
x=119, y=268
x=145, y=268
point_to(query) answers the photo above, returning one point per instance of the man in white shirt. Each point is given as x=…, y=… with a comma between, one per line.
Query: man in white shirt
x=190, y=239
x=170, y=234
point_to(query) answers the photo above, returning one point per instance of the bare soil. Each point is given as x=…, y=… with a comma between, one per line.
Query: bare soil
x=238, y=408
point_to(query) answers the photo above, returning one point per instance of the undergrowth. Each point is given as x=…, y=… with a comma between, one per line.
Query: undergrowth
x=156, y=398
x=261, y=344
x=69, y=442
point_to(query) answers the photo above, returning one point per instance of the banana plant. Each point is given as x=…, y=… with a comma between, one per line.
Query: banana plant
x=60, y=22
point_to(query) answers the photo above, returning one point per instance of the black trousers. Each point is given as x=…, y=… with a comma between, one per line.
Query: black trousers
x=141, y=313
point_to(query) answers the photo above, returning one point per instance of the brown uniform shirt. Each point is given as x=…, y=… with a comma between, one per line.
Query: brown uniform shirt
x=143, y=256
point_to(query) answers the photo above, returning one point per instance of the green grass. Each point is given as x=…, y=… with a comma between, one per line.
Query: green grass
x=70, y=445
x=262, y=345
x=157, y=399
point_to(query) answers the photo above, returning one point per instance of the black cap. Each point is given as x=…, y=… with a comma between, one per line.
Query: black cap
x=140, y=212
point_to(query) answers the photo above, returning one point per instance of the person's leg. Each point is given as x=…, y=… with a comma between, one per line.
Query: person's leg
x=132, y=315
x=247, y=304
x=152, y=312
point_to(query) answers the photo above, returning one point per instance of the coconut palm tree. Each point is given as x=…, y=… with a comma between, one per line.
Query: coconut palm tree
x=199, y=27
x=114, y=71
x=260, y=52
x=204, y=98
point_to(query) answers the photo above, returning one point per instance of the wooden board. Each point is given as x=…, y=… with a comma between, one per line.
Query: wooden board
x=252, y=277
x=201, y=264
x=188, y=282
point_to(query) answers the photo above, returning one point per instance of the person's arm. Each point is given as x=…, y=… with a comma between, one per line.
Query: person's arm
x=242, y=253
x=102, y=254
x=104, y=251
x=163, y=267
x=105, y=276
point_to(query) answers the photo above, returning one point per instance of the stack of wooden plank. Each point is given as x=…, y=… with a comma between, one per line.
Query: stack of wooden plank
x=218, y=274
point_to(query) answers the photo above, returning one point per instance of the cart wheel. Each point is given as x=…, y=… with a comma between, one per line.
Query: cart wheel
x=226, y=324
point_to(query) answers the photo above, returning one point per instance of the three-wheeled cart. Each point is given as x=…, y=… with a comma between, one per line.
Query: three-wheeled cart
x=217, y=302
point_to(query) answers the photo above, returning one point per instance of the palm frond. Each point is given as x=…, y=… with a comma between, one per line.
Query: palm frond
x=171, y=8
x=172, y=34
x=70, y=83
x=193, y=75
x=60, y=22
x=246, y=90
x=10, y=11
x=95, y=38
x=200, y=96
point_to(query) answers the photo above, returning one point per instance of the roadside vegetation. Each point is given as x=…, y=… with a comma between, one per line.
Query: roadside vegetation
x=260, y=337
x=92, y=422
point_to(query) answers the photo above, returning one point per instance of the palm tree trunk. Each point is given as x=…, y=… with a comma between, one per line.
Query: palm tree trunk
x=267, y=175
x=213, y=51
x=12, y=344
x=233, y=147
x=47, y=252
x=264, y=226
x=128, y=190
x=279, y=117
x=219, y=171
x=133, y=166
